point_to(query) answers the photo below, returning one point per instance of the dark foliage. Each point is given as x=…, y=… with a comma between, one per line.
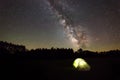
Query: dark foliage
x=9, y=49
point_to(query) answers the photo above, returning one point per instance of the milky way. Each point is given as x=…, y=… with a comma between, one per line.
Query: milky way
x=90, y=24
x=76, y=34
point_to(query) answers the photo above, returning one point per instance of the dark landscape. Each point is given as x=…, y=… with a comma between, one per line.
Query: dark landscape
x=56, y=64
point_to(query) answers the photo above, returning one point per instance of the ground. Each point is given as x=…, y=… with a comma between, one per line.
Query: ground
x=61, y=69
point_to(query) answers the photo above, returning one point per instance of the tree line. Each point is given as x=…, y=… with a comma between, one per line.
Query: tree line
x=9, y=49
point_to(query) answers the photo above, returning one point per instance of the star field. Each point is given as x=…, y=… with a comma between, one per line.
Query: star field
x=33, y=23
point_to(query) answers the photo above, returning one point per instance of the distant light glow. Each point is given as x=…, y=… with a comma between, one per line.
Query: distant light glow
x=81, y=64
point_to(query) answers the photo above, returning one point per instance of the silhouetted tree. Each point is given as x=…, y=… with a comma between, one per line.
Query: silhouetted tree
x=20, y=51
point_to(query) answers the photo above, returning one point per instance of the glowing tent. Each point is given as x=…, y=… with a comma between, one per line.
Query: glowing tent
x=81, y=64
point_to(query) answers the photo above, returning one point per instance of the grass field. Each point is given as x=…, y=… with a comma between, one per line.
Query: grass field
x=62, y=69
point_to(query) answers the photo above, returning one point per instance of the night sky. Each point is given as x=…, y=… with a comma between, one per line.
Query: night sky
x=35, y=24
